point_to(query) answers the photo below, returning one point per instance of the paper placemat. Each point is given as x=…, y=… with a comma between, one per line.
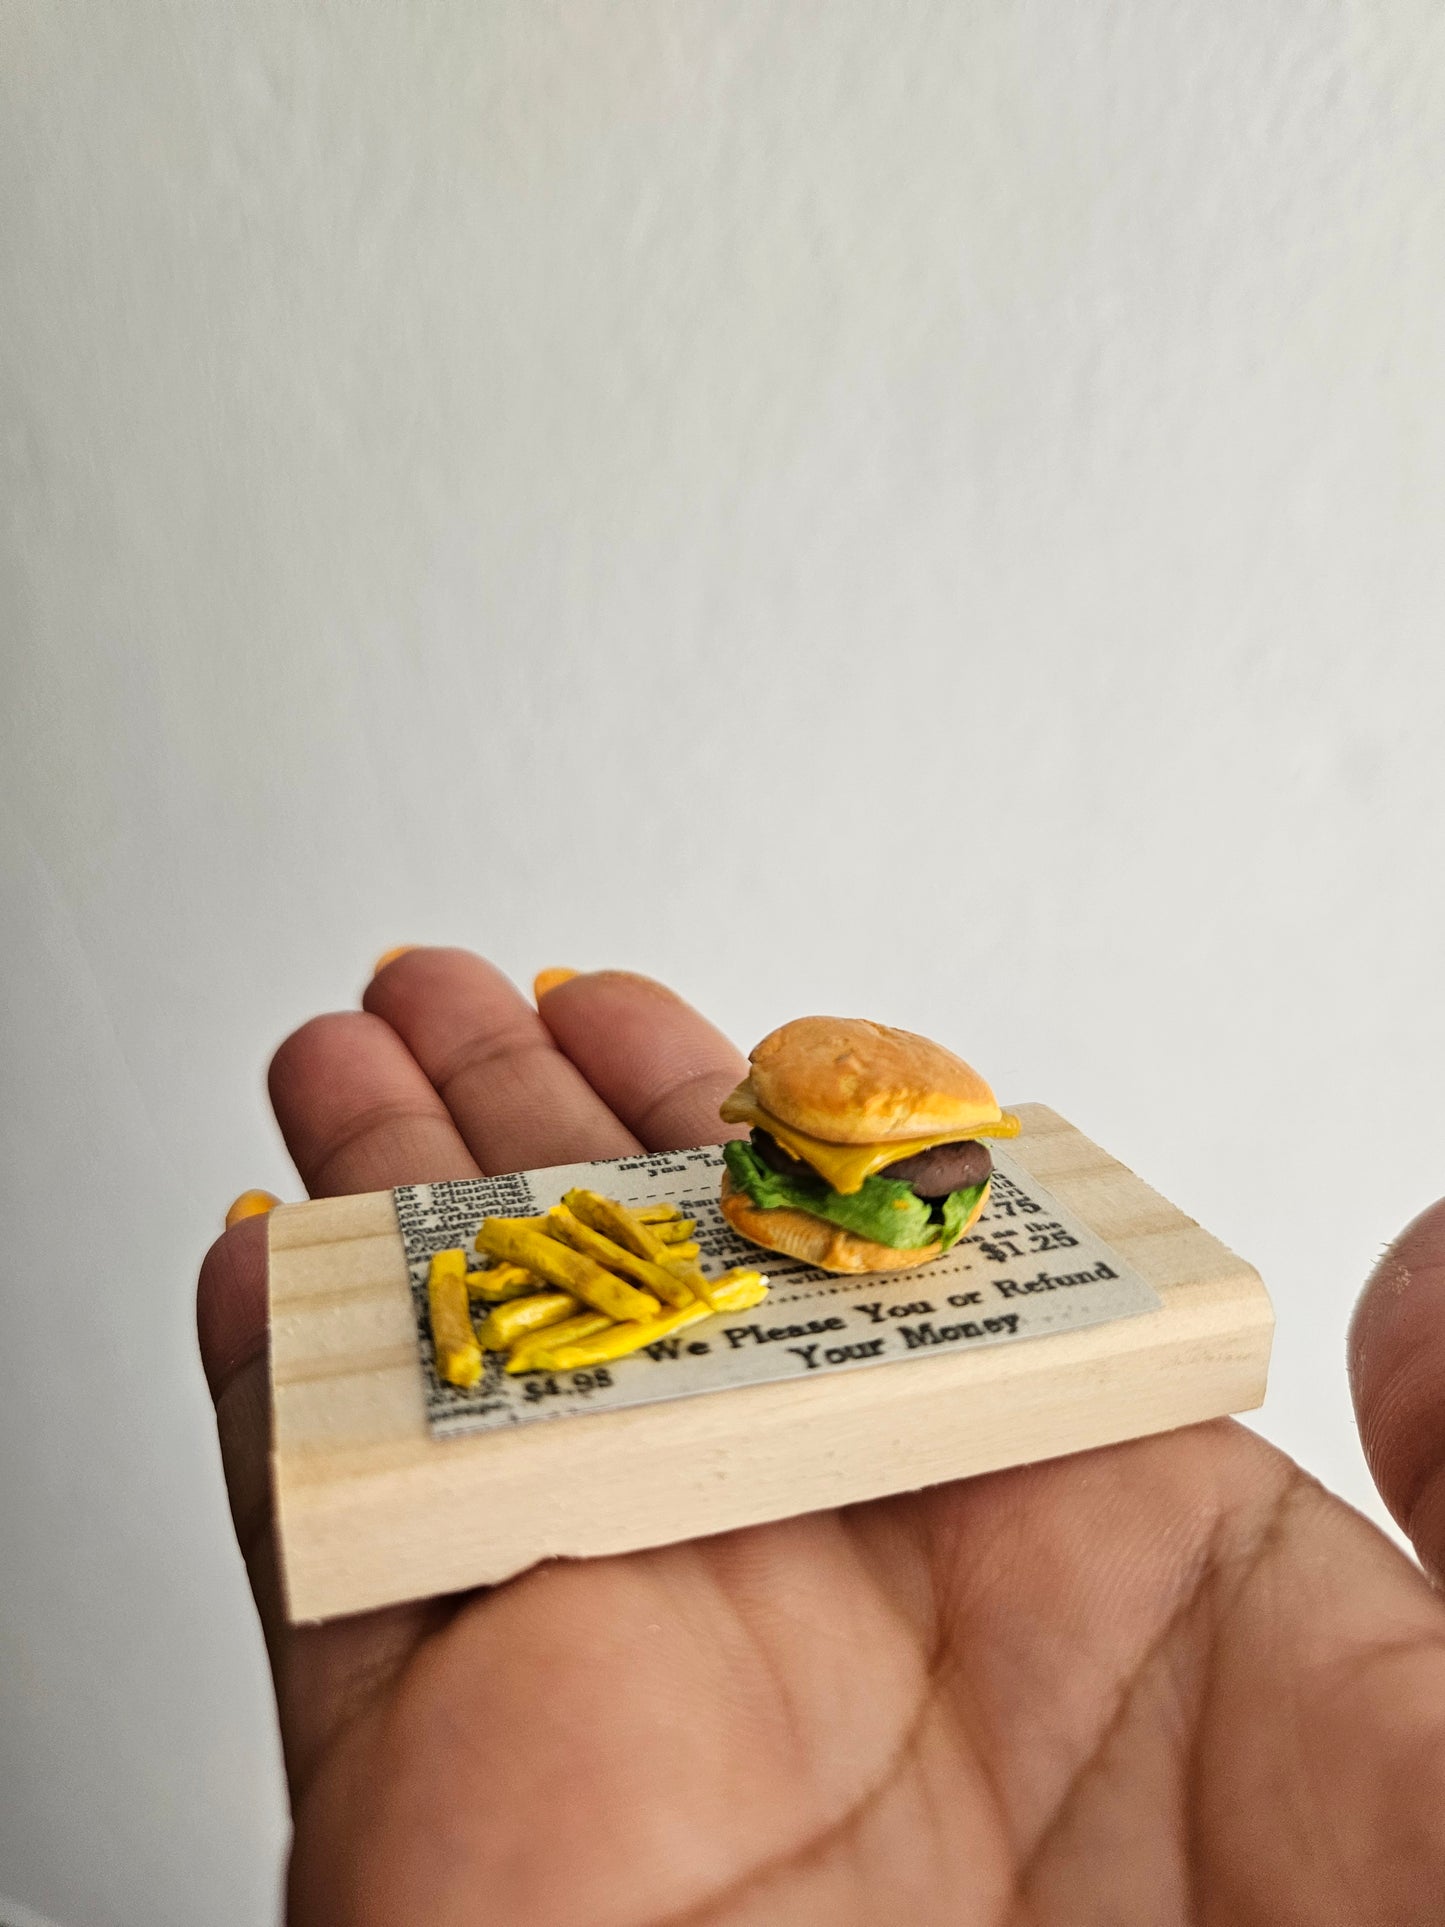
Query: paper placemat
x=1027, y=1269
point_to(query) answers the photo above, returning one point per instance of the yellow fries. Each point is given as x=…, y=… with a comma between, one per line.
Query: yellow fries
x=507, y=1323
x=591, y=1281
x=458, y=1355
x=688, y=1274
x=737, y=1290
x=498, y=1282
x=672, y=1231
x=616, y=1343
x=559, y=1265
x=616, y=1222
x=587, y=1325
x=655, y=1278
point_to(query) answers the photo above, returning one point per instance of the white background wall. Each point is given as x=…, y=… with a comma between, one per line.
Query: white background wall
x=928, y=510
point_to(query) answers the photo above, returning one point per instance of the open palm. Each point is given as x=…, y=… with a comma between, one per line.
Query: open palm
x=1173, y=1681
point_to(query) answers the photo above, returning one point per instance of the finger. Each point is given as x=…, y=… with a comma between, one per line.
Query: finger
x=516, y=1099
x=231, y=1302
x=231, y=1327
x=323, y=1674
x=358, y=1113
x=231, y=1321
x=661, y=1067
x=1397, y=1376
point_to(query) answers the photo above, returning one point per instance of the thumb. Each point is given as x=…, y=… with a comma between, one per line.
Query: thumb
x=1397, y=1377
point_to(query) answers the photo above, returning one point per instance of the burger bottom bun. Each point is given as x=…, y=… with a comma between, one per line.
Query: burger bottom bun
x=816, y=1242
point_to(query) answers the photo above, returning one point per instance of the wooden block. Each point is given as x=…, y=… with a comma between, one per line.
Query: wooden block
x=371, y=1509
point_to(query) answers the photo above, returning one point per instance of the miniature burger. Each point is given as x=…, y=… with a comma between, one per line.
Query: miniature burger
x=865, y=1152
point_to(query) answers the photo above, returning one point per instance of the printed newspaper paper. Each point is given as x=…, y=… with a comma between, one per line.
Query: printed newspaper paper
x=1028, y=1268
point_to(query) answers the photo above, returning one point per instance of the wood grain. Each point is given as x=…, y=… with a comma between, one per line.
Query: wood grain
x=372, y=1510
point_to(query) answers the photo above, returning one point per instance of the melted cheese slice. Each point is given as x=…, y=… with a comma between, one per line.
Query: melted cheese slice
x=845, y=1166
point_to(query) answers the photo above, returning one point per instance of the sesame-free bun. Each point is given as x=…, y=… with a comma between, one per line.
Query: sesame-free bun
x=815, y=1241
x=851, y=1082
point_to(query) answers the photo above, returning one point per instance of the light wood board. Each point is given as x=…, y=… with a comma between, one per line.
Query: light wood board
x=371, y=1509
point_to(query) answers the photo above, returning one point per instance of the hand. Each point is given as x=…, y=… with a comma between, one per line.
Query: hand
x=1171, y=1681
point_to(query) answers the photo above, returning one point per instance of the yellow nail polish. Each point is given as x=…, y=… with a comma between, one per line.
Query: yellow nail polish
x=546, y=980
x=251, y=1204
x=390, y=956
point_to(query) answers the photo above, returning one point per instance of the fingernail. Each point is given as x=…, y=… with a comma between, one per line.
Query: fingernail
x=251, y=1204
x=546, y=980
x=390, y=956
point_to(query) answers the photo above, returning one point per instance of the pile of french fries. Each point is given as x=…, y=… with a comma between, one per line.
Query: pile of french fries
x=587, y=1282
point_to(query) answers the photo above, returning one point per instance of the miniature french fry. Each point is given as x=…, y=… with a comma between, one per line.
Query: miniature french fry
x=499, y=1282
x=688, y=1274
x=672, y=1231
x=737, y=1290
x=616, y=1343
x=538, y=1223
x=458, y=1355
x=683, y=1252
x=658, y=1279
x=616, y=1222
x=507, y=1323
x=586, y=1325
x=568, y=1269
x=655, y=1213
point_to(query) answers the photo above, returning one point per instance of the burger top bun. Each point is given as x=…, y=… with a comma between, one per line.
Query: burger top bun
x=847, y=1081
x=801, y=1235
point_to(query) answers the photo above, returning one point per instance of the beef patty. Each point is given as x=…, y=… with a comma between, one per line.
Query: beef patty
x=947, y=1167
x=933, y=1174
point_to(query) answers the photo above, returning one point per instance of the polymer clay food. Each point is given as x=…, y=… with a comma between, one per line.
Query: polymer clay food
x=590, y=1281
x=865, y=1152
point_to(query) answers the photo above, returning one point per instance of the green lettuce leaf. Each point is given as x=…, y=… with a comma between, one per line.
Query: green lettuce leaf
x=957, y=1210
x=884, y=1210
